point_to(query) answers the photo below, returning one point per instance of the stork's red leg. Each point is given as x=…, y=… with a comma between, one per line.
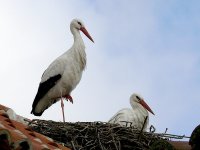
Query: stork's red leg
x=68, y=97
x=62, y=106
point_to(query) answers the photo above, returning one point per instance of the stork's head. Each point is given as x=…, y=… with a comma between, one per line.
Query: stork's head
x=135, y=98
x=79, y=25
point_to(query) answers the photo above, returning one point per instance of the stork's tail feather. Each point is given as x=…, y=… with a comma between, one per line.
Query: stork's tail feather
x=33, y=111
x=36, y=114
x=43, y=89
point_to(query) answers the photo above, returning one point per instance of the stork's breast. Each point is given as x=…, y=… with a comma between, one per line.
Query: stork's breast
x=71, y=76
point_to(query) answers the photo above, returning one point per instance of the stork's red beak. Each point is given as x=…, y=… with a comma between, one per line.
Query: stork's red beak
x=83, y=29
x=142, y=102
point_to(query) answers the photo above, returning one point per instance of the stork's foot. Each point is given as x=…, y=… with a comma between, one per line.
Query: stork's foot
x=68, y=97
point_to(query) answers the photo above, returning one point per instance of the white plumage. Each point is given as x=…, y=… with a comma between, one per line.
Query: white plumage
x=64, y=73
x=134, y=116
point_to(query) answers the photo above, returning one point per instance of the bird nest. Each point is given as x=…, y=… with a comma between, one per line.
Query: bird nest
x=98, y=135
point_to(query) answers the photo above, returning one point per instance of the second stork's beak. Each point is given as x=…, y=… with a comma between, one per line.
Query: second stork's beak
x=142, y=102
x=83, y=29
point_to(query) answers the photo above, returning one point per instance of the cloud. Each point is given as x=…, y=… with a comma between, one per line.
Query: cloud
x=139, y=47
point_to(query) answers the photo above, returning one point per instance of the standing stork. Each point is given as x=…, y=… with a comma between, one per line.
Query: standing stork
x=133, y=117
x=63, y=74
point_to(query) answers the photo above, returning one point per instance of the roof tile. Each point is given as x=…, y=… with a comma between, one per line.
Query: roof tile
x=17, y=135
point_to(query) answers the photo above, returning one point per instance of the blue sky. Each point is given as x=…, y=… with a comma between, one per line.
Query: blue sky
x=147, y=47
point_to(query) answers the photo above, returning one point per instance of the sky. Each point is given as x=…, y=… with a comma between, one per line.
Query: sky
x=141, y=46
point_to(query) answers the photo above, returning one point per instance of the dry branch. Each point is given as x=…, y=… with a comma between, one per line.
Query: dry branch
x=97, y=135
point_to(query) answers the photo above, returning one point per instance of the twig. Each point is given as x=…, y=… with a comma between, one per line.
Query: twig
x=166, y=130
x=100, y=142
x=99, y=135
x=114, y=142
x=139, y=137
x=72, y=143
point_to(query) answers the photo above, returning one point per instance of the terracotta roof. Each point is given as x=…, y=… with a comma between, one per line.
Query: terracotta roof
x=181, y=145
x=15, y=134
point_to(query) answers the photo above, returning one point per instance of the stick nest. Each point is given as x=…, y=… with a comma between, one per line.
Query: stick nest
x=95, y=135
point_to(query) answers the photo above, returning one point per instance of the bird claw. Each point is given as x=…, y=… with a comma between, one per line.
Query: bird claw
x=68, y=97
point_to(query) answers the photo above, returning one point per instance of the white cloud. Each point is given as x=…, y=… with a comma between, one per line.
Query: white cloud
x=132, y=53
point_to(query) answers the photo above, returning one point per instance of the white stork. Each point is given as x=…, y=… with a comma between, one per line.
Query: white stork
x=133, y=117
x=63, y=74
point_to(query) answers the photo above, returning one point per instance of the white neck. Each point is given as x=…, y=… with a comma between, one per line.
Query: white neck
x=79, y=47
x=141, y=113
x=139, y=108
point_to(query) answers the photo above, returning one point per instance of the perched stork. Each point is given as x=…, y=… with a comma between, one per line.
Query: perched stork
x=63, y=74
x=133, y=117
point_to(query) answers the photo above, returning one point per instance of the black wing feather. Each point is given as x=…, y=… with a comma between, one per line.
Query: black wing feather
x=44, y=87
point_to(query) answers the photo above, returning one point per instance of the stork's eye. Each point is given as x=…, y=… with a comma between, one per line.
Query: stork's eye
x=138, y=97
x=79, y=23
